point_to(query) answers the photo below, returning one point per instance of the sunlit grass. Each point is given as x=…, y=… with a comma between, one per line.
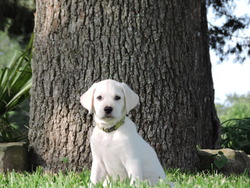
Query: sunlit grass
x=73, y=180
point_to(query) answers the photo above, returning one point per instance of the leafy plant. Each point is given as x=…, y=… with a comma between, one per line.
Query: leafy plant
x=235, y=134
x=220, y=160
x=15, y=83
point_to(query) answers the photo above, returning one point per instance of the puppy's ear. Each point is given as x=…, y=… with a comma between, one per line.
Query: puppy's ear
x=131, y=98
x=87, y=99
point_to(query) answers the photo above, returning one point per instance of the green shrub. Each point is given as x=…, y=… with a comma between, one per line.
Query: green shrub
x=15, y=83
x=235, y=134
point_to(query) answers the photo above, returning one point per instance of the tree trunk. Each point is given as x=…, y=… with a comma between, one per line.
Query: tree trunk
x=159, y=48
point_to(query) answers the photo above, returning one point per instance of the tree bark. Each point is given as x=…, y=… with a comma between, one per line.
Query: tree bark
x=159, y=48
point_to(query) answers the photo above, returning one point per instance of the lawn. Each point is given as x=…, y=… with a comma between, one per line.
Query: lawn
x=39, y=179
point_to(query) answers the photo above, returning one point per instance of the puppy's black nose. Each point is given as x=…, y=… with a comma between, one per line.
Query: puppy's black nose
x=108, y=109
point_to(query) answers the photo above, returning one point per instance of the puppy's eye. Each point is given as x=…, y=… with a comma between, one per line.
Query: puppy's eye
x=99, y=97
x=117, y=97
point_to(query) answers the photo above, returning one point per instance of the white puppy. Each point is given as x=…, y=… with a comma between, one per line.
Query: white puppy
x=118, y=150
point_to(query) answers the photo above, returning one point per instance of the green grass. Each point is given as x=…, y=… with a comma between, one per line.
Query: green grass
x=39, y=179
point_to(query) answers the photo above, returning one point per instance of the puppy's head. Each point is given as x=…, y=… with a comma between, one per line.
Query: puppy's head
x=109, y=100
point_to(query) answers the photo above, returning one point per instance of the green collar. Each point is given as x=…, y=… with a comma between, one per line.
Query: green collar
x=115, y=127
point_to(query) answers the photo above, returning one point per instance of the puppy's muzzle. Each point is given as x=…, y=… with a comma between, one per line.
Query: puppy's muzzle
x=108, y=109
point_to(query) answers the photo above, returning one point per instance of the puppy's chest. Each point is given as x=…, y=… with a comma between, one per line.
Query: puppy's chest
x=110, y=151
x=105, y=143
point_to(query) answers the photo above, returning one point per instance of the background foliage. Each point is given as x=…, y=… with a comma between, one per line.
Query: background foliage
x=234, y=115
x=235, y=106
x=8, y=47
x=15, y=83
x=225, y=38
x=17, y=18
